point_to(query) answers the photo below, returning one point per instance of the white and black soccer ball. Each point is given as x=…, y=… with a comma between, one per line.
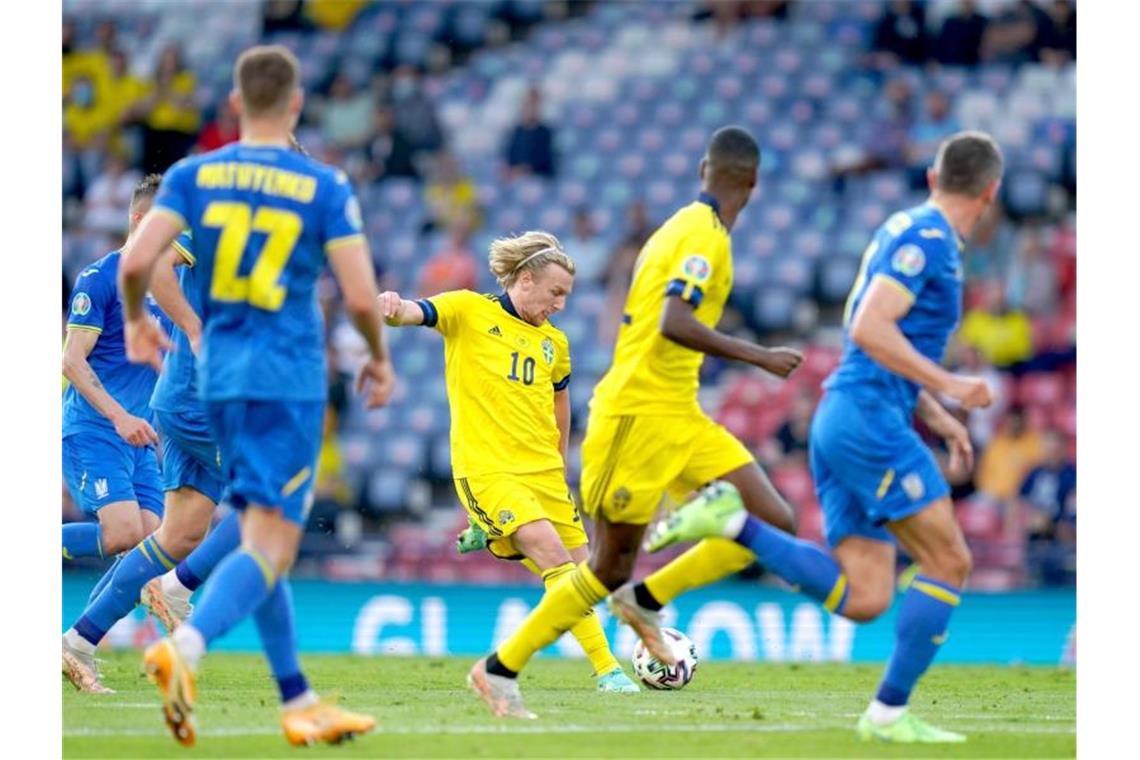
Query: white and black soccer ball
x=655, y=674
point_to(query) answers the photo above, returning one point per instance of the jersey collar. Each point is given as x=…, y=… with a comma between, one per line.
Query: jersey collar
x=957, y=238
x=508, y=307
x=712, y=202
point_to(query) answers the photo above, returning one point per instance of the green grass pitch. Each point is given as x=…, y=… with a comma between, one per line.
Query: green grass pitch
x=729, y=710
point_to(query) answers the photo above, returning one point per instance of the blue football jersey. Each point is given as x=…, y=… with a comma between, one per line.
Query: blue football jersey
x=95, y=306
x=262, y=219
x=177, y=386
x=917, y=251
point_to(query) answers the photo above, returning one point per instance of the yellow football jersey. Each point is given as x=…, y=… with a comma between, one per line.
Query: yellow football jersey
x=502, y=373
x=690, y=255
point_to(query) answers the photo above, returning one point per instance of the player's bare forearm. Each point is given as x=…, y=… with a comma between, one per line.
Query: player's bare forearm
x=352, y=267
x=156, y=234
x=562, y=418
x=169, y=296
x=80, y=374
x=680, y=326
x=936, y=417
x=407, y=313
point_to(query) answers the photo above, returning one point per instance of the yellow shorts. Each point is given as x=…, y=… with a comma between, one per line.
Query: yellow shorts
x=500, y=503
x=629, y=463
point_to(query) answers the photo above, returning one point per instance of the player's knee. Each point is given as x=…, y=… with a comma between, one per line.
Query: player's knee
x=952, y=565
x=178, y=544
x=867, y=603
x=121, y=537
x=612, y=575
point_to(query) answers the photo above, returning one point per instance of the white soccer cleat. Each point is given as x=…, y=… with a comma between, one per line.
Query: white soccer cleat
x=646, y=623
x=170, y=610
x=81, y=669
x=501, y=694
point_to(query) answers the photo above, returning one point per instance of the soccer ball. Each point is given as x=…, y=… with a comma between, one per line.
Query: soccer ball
x=655, y=674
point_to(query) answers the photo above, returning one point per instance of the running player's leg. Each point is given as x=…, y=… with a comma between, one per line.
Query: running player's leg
x=168, y=597
x=98, y=471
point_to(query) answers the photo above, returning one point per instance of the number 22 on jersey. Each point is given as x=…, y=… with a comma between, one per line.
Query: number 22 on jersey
x=236, y=221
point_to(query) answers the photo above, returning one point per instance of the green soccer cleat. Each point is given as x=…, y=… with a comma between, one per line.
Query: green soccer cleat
x=616, y=681
x=705, y=516
x=908, y=729
x=471, y=540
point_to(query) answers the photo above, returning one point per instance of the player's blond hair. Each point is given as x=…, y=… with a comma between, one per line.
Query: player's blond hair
x=531, y=251
x=266, y=76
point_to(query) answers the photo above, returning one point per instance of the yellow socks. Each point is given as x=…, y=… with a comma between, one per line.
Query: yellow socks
x=707, y=562
x=564, y=606
x=589, y=630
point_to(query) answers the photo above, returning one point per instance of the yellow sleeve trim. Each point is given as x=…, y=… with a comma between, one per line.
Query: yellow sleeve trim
x=171, y=214
x=88, y=328
x=896, y=285
x=341, y=242
x=184, y=253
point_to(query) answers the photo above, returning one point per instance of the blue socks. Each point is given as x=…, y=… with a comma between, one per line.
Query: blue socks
x=102, y=584
x=147, y=560
x=240, y=584
x=798, y=562
x=224, y=538
x=919, y=631
x=82, y=540
x=274, y=620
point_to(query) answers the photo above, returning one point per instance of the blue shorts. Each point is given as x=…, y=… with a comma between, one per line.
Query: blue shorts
x=190, y=458
x=869, y=466
x=100, y=468
x=269, y=450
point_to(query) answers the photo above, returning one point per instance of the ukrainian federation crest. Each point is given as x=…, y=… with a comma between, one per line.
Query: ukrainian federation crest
x=506, y=517
x=697, y=267
x=548, y=350
x=81, y=304
x=101, y=488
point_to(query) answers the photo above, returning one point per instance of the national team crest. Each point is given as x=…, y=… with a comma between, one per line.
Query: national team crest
x=101, y=488
x=912, y=486
x=622, y=497
x=909, y=260
x=81, y=304
x=506, y=517
x=697, y=268
x=548, y=350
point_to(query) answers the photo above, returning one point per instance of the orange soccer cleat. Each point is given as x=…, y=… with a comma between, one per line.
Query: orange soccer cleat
x=170, y=673
x=323, y=723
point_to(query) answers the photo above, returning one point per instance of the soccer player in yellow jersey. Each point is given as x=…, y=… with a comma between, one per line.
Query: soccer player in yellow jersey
x=647, y=435
x=508, y=372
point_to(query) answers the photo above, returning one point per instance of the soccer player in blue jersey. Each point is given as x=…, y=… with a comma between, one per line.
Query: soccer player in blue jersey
x=191, y=477
x=263, y=219
x=875, y=479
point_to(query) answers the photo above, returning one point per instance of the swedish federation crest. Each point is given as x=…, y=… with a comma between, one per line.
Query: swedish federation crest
x=548, y=350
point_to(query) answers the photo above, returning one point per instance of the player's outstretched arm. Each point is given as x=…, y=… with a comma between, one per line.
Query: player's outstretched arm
x=78, y=371
x=875, y=329
x=398, y=312
x=352, y=267
x=680, y=326
x=170, y=298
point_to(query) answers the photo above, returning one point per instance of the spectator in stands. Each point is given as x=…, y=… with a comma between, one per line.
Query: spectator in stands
x=1012, y=453
x=388, y=153
x=347, y=115
x=793, y=434
x=108, y=200
x=1014, y=34
x=1003, y=335
x=960, y=39
x=449, y=194
x=223, y=130
x=889, y=136
x=1046, y=511
x=530, y=149
x=452, y=267
x=125, y=90
x=169, y=112
x=414, y=110
x=1032, y=279
x=934, y=126
x=87, y=125
x=900, y=35
x=638, y=228
x=990, y=253
x=283, y=16
x=590, y=254
x=1058, y=39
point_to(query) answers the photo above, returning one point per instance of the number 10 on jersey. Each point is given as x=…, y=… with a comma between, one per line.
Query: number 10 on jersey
x=527, y=369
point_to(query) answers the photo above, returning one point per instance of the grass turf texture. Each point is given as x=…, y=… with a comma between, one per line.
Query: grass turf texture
x=730, y=710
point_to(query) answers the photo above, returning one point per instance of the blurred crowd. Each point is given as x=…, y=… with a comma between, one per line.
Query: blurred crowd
x=125, y=116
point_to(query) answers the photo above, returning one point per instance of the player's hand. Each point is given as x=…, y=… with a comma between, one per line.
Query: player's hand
x=390, y=303
x=961, y=450
x=376, y=382
x=145, y=341
x=779, y=361
x=970, y=392
x=135, y=430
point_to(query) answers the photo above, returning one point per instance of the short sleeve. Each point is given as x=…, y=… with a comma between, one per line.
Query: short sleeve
x=173, y=194
x=343, y=223
x=560, y=374
x=445, y=311
x=911, y=262
x=693, y=267
x=184, y=246
x=91, y=300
